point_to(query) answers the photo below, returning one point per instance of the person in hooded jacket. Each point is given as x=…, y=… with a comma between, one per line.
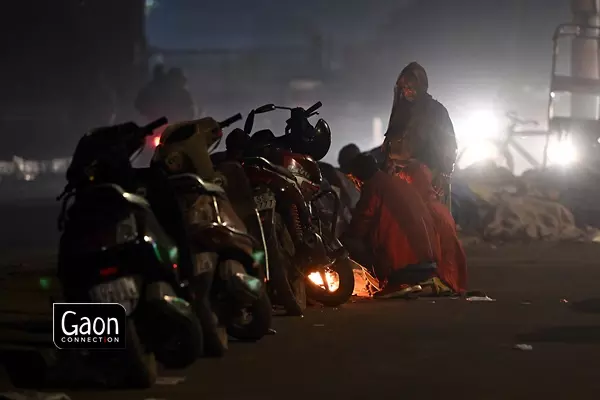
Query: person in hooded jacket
x=166, y=95
x=420, y=128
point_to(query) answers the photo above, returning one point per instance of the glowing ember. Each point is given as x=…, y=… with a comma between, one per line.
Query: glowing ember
x=357, y=182
x=333, y=280
x=156, y=141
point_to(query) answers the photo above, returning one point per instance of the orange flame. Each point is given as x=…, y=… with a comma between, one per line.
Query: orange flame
x=357, y=182
x=333, y=280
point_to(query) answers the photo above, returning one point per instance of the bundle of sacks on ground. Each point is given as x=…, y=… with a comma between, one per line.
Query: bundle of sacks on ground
x=491, y=203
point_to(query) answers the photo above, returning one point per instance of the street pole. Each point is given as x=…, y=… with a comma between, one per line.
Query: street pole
x=584, y=57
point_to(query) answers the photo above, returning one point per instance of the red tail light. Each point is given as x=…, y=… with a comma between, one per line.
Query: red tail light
x=109, y=271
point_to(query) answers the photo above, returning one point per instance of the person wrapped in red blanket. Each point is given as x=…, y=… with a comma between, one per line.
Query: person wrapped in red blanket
x=452, y=265
x=391, y=229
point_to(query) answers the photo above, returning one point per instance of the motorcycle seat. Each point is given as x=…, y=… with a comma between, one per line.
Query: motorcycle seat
x=108, y=192
x=191, y=181
x=269, y=165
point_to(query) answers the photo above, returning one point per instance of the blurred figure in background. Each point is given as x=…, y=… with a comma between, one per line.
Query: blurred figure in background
x=420, y=128
x=179, y=104
x=149, y=101
x=346, y=155
x=166, y=95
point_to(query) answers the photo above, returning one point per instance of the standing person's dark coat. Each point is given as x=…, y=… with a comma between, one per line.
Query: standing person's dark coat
x=420, y=127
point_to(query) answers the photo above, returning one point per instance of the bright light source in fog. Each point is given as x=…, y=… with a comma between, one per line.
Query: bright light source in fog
x=562, y=152
x=479, y=124
x=477, y=152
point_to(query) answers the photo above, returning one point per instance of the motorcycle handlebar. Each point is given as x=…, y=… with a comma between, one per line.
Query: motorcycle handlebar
x=314, y=108
x=230, y=120
x=147, y=130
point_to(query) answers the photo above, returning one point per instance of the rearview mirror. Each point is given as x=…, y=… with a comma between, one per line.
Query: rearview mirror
x=265, y=108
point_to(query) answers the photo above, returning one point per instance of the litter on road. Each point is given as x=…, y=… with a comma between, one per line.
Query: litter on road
x=170, y=380
x=480, y=298
x=523, y=347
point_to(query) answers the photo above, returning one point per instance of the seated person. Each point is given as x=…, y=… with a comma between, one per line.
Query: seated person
x=452, y=266
x=393, y=222
x=346, y=155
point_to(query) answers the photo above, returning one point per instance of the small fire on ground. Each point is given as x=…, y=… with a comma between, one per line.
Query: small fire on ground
x=333, y=280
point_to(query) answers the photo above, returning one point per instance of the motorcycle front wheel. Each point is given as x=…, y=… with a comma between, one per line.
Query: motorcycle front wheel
x=256, y=321
x=133, y=368
x=340, y=287
x=214, y=332
x=142, y=371
x=290, y=290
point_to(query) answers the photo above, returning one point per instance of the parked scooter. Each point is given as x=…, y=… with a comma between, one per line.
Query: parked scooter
x=307, y=259
x=227, y=283
x=114, y=250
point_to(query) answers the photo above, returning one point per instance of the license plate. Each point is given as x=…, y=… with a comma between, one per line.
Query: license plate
x=265, y=201
x=123, y=291
x=205, y=262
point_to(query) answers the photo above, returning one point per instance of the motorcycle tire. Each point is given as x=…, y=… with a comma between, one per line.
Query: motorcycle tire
x=262, y=315
x=141, y=363
x=345, y=273
x=133, y=368
x=214, y=332
x=216, y=341
x=290, y=293
x=187, y=348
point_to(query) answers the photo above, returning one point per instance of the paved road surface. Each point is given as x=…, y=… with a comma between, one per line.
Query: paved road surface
x=425, y=349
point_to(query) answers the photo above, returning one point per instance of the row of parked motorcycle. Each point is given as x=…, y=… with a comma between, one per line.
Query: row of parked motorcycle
x=192, y=264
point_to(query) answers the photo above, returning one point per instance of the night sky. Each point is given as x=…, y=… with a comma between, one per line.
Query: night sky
x=479, y=53
x=475, y=46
